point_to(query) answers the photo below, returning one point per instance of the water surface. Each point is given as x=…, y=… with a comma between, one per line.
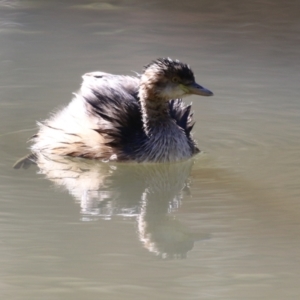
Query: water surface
x=225, y=226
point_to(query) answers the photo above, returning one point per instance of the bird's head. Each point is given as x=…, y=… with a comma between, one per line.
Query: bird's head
x=170, y=79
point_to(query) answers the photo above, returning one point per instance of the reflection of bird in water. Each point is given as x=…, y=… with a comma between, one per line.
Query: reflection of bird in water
x=150, y=193
x=100, y=186
x=126, y=118
x=159, y=231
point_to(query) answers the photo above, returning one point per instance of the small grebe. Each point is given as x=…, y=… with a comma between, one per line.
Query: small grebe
x=124, y=118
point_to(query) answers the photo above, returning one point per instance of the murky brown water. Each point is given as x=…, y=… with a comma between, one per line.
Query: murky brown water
x=223, y=227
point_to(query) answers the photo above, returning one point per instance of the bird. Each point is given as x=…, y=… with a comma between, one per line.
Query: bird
x=121, y=118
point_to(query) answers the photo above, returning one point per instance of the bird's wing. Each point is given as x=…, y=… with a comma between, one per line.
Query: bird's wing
x=114, y=100
x=184, y=118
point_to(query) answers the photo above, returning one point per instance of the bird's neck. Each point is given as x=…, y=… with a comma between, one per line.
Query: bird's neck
x=155, y=116
x=155, y=110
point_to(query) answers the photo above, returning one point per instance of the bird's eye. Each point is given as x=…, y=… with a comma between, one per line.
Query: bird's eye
x=175, y=79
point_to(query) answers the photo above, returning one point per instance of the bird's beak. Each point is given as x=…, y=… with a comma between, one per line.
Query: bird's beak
x=197, y=89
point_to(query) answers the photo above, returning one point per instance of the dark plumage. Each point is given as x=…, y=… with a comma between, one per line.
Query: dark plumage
x=126, y=118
